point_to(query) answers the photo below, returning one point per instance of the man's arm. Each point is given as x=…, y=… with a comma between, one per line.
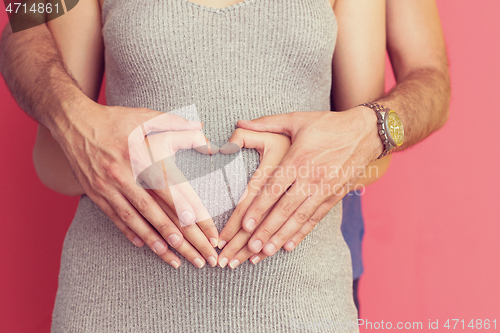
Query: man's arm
x=421, y=97
x=339, y=143
x=417, y=50
x=35, y=72
x=29, y=74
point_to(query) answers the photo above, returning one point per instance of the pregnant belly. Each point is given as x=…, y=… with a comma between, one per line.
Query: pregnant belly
x=219, y=180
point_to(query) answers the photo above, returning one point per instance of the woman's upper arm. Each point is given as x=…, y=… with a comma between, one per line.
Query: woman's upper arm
x=359, y=58
x=78, y=35
x=414, y=36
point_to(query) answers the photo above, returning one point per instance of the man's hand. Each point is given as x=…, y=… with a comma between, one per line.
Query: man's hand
x=329, y=152
x=100, y=160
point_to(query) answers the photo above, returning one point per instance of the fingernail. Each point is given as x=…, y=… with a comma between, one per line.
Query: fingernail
x=174, y=240
x=212, y=261
x=138, y=241
x=225, y=146
x=187, y=217
x=213, y=241
x=221, y=244
x=255, y=260
x=174, y=264
x=289, y=246
x=269, y=249
x=234, y=263
x=257, y=245
x=198, y=263
x=223, y=262
x=159, y=247
x=250, y=224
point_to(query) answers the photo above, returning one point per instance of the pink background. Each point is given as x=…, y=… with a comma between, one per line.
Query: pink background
x=431, y=251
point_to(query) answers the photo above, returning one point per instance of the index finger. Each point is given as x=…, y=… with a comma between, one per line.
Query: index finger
x=172, y=187
x=281, y=179
x=253, y=188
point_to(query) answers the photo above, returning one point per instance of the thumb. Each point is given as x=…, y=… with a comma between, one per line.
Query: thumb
x=279, y=123
x=165, y=144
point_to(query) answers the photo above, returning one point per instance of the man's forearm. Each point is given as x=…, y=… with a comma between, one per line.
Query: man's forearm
x=416, y=46
x=422, y=101
x=37, y=76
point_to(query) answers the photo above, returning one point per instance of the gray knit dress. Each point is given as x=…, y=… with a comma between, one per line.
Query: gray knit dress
x=255, y=58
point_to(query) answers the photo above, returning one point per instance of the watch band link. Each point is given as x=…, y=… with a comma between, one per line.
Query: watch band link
x=378, y=109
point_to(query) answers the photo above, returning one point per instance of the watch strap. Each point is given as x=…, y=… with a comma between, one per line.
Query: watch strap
x=381, y=112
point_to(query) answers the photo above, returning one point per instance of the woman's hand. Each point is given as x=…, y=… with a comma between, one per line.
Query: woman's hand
x=54, y=170
x=175, y=195
x=237, y=251
x=94, y=137
x=373, y=172
x=329, y=152
x=271, y=147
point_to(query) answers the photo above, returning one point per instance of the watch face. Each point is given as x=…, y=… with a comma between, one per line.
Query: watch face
x=395, y=127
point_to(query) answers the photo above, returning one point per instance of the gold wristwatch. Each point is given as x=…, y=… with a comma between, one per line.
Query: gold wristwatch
x=390, y=127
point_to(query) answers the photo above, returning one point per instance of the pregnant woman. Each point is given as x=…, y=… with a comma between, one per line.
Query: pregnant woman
x=233, y=60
